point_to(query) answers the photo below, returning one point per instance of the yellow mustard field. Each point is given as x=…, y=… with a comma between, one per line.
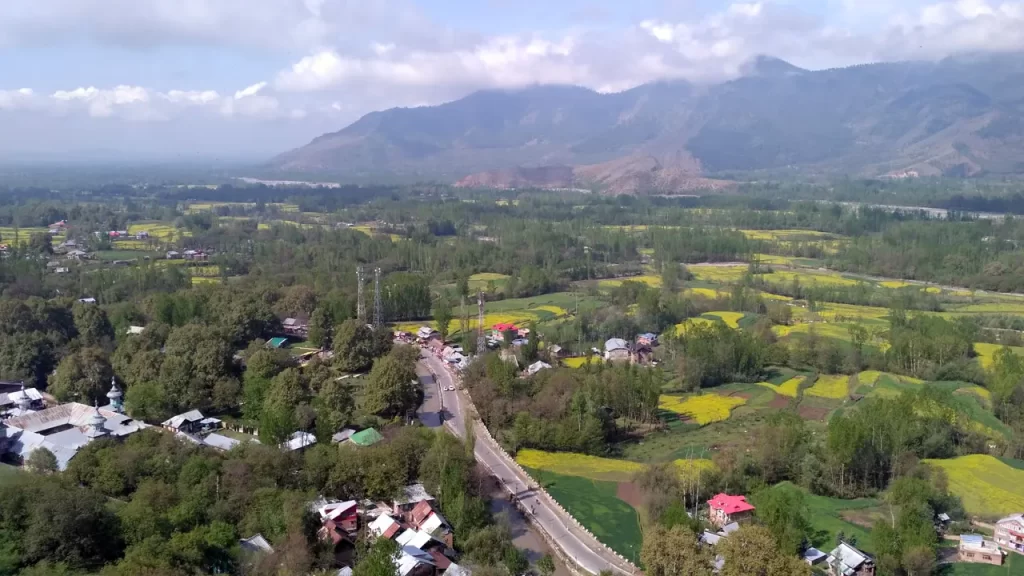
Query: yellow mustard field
x=987, y=487
x=721, y=274
x=488, y=277
x=579, y=362
x=704, y=408
x=834, y=387
x=683, y=327
x=731, y=319
x=650, y=280
x=583, y=465
x=788, y=388
x=987, y=352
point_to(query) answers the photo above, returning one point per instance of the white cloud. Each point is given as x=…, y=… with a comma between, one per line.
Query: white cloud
x=250, y=90
x=193, y=97
x=16, y=99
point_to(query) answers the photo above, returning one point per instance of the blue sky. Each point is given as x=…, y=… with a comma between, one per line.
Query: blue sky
x=249, y=78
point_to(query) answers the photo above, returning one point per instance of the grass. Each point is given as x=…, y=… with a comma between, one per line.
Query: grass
x=828, y=517
x=157, y=230
x=731, y=319
x=987, y=486
x=706, y=293
x=110, y=255
x=834, y=387
x=806, y=278
x=1013, y=566
x=718, y=274
x=595, y=505
x=703, y=408
x=11, y=474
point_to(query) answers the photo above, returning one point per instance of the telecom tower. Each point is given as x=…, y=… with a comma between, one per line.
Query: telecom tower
x=378, y=308
x=360, y=304
x=481, y=342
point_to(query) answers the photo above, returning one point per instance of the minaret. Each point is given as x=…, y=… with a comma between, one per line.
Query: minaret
x=95, y=424
x=24, y=403
x=116, y=397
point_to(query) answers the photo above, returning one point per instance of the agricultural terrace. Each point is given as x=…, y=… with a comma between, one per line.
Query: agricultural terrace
x=986, y=352
x=654, y=281
x=835, y=387
x=731, y=319
x=18, y=236
x=987, y=486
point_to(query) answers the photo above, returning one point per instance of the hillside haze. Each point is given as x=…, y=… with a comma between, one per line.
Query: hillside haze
x=962, y=116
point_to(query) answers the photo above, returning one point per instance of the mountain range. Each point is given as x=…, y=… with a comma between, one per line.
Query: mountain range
x=962, y=116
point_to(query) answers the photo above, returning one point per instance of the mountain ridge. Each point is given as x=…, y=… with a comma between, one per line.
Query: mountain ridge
x=961, y=116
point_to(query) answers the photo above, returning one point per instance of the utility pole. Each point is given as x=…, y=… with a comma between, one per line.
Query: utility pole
x=360, y=304
x=481, y=342
x=378, y=308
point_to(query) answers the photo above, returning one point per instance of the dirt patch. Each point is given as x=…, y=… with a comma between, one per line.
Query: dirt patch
x=812, y=413
x=629, y=493
x=779, y=402
x=865, y=518
x=744, y=395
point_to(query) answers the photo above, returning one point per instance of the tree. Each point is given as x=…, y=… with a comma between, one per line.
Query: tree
x=783, y=510
x=43, y=461
x=40, y=243
x=668, y=552
x=751, y=551
x=82, y=377
x=147, y=401
x=380, y=561
x=443, y=315
x=546, y=565
x=278, y=417
x=354, y=346
x=92, y=324
x=392, y=388
x=320, y=326
x=334, y=407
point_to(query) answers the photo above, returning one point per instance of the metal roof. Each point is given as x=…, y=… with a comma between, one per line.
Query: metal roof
x=178, y=421
x=367, y=437
x=412, y=494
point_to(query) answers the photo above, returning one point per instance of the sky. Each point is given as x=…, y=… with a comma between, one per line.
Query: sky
x=246, y=79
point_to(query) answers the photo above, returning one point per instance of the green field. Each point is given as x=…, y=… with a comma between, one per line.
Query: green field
x=15, y=236
x=830, y=516
x=594, y=504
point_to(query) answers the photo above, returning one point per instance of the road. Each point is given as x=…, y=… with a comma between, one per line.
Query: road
x=584, y=549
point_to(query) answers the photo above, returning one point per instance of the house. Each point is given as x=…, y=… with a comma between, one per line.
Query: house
x=412, y=495
x=616, y=350
x=256, y=545
x=366, y=438
x=536, y=367
x=21, y=401
x=191, y=422
x=343, y=436
x=414, y=562
x=648, y=339
x=975, y=549
x=499, y=330
x=221, y=442
x=296, y=326
x=298, y=441
x=340, y=521
x=726, y=509
x=172, y=255
x=425, y=518
x=278, y=342
x=77, y=255
x=87, y=300
x=813, y=556
x=384, y=526
x=64, y=430
x=61, y=270
x=135, y=330
x=1009, y=533
x=142, y=235
x=846, y=560
x=426, y=333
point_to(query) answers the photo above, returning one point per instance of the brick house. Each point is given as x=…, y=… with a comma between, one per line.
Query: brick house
x=725, y=509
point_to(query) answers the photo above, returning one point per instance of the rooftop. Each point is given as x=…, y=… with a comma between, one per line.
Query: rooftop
x=412, y=494
x=256, y=543
x=178, y=421
x=367, y=437
x=730, y=504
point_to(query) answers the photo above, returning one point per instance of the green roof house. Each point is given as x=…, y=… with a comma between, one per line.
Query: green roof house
x=367, y=437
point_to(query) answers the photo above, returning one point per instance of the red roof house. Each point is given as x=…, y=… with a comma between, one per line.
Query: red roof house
x=726, y=509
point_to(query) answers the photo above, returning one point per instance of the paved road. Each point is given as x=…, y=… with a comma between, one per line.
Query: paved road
x=582, y=548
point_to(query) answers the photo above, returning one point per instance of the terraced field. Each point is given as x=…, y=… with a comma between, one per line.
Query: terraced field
x=654, y=281
x=731, y=319
x=834, y=387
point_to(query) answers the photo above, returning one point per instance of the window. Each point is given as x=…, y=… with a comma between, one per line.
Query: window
x=986, y=557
